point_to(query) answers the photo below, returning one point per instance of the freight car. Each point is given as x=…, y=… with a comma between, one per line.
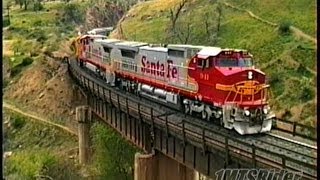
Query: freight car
x=217, y=84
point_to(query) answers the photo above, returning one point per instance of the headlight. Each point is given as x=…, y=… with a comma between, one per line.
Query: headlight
x=218, y=114
x=250, y=75
x=266, y=109
x=246, y=112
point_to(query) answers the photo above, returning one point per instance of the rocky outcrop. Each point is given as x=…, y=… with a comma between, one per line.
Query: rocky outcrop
x=103, y=14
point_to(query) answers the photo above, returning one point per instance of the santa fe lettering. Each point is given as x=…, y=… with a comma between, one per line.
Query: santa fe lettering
x=157, y=68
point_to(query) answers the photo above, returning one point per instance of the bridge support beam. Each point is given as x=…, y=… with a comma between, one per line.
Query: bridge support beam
x=83, y=116
x=156, y=166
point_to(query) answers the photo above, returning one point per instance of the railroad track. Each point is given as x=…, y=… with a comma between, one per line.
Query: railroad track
x=283, y=152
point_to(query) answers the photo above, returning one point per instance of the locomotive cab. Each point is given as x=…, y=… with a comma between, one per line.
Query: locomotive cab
x=86, y=44
x=238, y=60
x=235, y=91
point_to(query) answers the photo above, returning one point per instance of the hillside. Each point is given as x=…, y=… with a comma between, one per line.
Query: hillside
x=47, y=152
x=279, y=34
x=37, y=84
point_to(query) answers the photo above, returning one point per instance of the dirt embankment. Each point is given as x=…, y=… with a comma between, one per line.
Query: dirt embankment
x=45, y=87
x=37, y=118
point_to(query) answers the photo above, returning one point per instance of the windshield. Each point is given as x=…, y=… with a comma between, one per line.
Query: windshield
x=227, y=62
x=234, y=62
x=245, y=62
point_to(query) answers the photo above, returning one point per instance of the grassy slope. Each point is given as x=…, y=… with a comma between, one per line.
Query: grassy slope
x=289, y=62
x=32, y=33
x=37, y=150
x=44, y=150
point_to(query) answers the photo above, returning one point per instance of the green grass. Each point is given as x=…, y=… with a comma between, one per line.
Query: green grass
x=301, y=14
x=28, y=164
x=41, y=25
x=37, y=149
x=289, y=63
x=34, y=33
x=106, y=143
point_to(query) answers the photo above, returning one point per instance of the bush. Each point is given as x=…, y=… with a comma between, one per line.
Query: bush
x=284, y=27
x=276, y=82
x=113, y=157
x=5, y=21
x=38, y=23
x=5, y=83
x=72, y=14
x=39, y=35
x=26, y=61
x=303, y=71
x=37, y=6
x=29, y=164
x=18, y=122
x=306, y=94
x=19, y=30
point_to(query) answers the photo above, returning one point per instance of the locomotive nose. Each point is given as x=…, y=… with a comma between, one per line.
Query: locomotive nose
x=237, y=74
x=252, y=74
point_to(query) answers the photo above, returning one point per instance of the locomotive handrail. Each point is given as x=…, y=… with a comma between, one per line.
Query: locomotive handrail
x=186, y=132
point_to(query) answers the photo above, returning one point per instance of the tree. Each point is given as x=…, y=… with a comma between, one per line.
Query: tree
x=219, y=11
x=174, y=14
x=72, y=14
x=177, y=29
x=6, y=20
x=23, y=3
x=26, y=3
x=37, y=6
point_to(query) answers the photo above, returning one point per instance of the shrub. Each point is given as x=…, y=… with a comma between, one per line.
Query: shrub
x=5, y=83
x=72, y=14
x=39, y=35
x=38, y=23
x=5, y=21
x=113, y=156
x=306, y=94
x=303, y=71
x=28, y=164
x=18, y=122
x=276, y=82
x=37, y=6
x=26, y=61
x=284, y=27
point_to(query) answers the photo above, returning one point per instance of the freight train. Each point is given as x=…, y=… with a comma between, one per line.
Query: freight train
x=217, y=84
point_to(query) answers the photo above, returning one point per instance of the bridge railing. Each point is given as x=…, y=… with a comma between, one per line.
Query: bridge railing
x=295, y=129
x=196, y=134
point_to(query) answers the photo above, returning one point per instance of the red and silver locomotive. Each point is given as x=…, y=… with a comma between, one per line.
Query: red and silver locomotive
x=218, y=84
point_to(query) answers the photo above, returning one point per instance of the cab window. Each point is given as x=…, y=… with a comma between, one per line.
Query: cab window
x=200, y=63
x=227, y=62
x=234, y=62
x=245, y=62
x=204, y=63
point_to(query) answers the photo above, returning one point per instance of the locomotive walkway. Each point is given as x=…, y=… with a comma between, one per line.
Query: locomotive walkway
x=194, y=143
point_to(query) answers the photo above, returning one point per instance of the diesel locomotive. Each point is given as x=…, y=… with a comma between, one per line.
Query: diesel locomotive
x=218, y=84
